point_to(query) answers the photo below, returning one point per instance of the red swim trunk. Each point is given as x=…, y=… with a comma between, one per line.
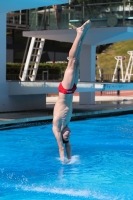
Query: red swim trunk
x=67, y=91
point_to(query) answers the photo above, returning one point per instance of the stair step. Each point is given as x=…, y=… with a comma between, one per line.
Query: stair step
x=33, y=60
x=37, y=48
x=39, y=41
x=30, y=76
x=35, y=55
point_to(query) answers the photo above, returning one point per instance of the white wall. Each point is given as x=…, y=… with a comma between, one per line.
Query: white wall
x=21, y=102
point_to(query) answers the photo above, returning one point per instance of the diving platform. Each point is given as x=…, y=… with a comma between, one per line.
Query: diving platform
x=95, y=36
x=36, y=88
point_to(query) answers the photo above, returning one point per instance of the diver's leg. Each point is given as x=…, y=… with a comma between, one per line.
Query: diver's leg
x=74, y=54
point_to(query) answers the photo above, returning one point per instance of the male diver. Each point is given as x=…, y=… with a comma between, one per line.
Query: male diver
x=58, y=14
x=63, y=107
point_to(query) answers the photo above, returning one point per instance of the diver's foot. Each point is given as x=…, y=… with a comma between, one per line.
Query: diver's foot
x=82, y=30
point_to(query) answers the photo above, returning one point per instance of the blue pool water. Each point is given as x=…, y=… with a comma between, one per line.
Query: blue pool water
x=101, y=167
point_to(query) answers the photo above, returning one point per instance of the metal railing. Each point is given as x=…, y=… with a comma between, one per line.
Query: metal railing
x=18, y=20
x=108, y=78
x=101, y=14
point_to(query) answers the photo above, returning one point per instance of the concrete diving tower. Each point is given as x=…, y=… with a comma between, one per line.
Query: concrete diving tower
x=95, y=37
x=38, y=88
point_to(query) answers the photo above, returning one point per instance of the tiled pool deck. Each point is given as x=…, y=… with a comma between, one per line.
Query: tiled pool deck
x=104, y=106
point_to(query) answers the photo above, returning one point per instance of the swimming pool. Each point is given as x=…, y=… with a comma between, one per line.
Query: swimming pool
x=101, y=168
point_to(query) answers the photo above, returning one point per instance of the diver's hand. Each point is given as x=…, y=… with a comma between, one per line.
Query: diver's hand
x=66, y=161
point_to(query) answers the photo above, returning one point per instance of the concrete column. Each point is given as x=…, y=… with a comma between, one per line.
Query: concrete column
x=3, y=84
x=14, y=103
x=2, y=47
x=87, y=72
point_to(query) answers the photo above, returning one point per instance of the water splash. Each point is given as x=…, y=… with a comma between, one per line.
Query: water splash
x=69, y=192
x=74, y=160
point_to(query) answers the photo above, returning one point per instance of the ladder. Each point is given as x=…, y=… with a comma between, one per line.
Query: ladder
x=119, y=64
x=33, y=50
x=29, y=68
x=129, y=67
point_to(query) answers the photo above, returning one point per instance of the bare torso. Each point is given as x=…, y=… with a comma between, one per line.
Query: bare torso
x=62, y=111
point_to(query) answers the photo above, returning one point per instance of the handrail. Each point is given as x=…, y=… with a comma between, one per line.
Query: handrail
x=24, y=58
x=70, y=12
